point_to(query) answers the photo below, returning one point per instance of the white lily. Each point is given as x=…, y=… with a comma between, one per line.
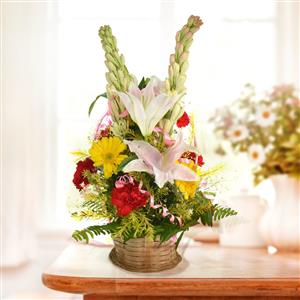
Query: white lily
x=164, y=166
x=148, y=106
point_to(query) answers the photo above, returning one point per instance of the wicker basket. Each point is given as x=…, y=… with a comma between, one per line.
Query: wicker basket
x=141, y=255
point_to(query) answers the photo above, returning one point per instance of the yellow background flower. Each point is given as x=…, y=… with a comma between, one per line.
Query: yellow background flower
x=106, y=153
x=188, y=188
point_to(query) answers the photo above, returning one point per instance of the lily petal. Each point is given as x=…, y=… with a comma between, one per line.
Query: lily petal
x=161, y=177
x=135, y=109
x=158, y=107
x=184, y=173
x=134, y=90
x=137, y=165
x=175, y=151
x=149, y=154
x=153, y=88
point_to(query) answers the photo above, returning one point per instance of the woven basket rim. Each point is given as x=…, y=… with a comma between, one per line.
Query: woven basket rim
x=141, y=255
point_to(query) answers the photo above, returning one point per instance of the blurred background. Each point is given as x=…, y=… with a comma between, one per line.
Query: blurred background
x=52, y=67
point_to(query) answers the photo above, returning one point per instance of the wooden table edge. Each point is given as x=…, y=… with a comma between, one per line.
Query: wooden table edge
x=178, y=286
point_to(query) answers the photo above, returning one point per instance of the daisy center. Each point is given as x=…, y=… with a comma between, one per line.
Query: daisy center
x=255, y=155
x=237, y=133
x=108, y=157
x=266, y=114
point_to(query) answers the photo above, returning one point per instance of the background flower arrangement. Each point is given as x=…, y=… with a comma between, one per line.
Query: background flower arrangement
x=139, y=174
x=266, y=127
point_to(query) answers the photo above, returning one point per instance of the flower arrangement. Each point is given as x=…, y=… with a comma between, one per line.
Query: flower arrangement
x=267, y=128
x=139, y=175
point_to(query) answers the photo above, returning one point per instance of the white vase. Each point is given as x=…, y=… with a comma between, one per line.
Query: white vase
x=281, y=224
x=243, y=230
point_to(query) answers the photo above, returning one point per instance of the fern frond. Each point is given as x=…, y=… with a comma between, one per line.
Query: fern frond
x=134, y=225
x=80, y=155
x=92, y=231
x=216, y=213
x=223, y=212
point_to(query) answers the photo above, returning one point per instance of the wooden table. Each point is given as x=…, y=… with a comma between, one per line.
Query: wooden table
x=207, y=271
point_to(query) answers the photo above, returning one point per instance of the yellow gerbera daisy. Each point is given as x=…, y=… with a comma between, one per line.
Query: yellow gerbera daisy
x=106, y=153
x=188, y=188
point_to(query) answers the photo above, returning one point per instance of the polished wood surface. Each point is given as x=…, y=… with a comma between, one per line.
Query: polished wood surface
x=207, y=272
x=101, y=297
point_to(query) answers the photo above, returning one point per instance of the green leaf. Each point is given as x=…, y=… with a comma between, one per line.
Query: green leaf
x=104, y=95
x=216, y=213
x=126, y=161
x=166, y=231
x=179, y=238
x=92, y=231
x=143, y=82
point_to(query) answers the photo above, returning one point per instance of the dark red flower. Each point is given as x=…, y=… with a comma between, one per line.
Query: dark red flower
x=200, y=161
x=83, y=165
x=192, y=156
x=128, y=198
x=183, y=121
x=102, y=133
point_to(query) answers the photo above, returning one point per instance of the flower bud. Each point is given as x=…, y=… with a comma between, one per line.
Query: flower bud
x=167, y=125
x=184, y=66
x=167, y=85
x=181, y=80
x=108, y=49
x=110, y=66
x=176, y=69
x=121, y=75
x=170, y=71
x=175, y=112
x=179, y=48
x=184, y=56
x=109, y=57
x=122, y=59
x=172, y=59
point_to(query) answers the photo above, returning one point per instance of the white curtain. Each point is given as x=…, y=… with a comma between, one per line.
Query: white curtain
x=23, y=127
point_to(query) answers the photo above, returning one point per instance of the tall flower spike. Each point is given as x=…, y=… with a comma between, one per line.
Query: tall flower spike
x=179, y=60
x=178, y=67
x=118, y=75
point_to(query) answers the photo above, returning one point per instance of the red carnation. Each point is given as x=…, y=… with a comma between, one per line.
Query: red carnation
x=128, y=198
x=102, y=133
x=200, y=161
x=183, y=121
x=192, y=156
x=83, y=165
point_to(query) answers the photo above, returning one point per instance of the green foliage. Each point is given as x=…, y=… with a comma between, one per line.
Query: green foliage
x=143, y=82
x=126, y=161
x=104, y=95
x=216, y=213
x=135, y=225
x=92, y=231
x=179, y=238
x=166, y=230
x=96, y=204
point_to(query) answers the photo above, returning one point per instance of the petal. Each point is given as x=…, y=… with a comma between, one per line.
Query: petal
x=137, y=165
x=127, y=101
x=180, y=172
x=157, y=108
x=134, y=90
x=148, y=92
x=146, y=152
x=175, y=152
x=135, y=109
x=160, y=177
